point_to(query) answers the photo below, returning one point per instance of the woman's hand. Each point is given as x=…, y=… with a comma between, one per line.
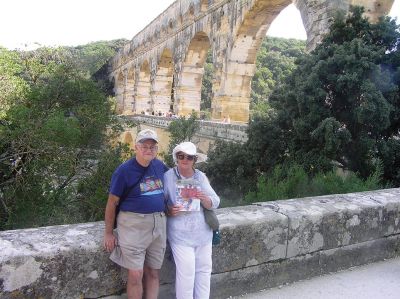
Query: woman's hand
x=174, y=210
x=205, y=200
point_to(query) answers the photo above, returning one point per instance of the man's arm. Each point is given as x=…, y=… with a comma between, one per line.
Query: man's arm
x=109, y=218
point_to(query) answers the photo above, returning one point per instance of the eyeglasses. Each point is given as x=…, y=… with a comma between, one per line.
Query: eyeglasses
x=145, y=148
x=188, y=157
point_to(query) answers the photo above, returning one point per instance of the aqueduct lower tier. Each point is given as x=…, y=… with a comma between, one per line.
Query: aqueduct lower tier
x=161, y=68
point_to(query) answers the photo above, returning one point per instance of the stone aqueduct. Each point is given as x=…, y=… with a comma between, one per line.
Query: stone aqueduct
x=163, y=65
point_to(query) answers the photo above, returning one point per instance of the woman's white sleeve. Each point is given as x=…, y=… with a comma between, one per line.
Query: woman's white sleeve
x=205, y=184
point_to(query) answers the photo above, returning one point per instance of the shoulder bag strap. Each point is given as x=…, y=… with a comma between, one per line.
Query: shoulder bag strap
x=129, y=189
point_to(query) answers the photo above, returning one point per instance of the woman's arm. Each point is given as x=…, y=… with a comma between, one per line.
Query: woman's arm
x=169, y=192
x=209, y=199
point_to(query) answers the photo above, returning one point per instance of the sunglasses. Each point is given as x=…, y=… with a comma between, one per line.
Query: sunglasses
x=188, y=157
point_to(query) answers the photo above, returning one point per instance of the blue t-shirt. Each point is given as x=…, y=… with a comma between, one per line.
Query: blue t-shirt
x=148, y=195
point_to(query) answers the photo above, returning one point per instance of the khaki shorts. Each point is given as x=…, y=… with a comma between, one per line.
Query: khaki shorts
x=141, y=240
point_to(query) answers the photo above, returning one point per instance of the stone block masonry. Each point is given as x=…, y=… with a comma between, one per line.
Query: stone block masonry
x=209, y=129
x=162, y=67
x=263, y=245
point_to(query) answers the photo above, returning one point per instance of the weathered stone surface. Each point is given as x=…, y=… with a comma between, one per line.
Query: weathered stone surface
x=263, y=245
x=163, y=65
x=251, y=235
x=56, y=262
x=333, y=221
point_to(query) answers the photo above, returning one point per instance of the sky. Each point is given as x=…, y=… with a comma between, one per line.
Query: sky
x=25, y=23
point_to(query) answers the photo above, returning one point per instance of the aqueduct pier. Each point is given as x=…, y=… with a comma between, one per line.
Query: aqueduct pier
x=161, y=68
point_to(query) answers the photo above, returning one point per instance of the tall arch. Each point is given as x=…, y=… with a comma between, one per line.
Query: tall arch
x=233, y=97
x=188, y=92
x=143, y=99
x=163, y=83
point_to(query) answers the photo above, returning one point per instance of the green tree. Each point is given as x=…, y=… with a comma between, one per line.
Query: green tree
x=12, y=87
x=47, y=137
x=275, y=61
x=346, y=108
x=91, y=57
x=206, y=87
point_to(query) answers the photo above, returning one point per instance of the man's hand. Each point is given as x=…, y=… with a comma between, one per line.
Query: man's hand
x=109, y=239
x=109, y=242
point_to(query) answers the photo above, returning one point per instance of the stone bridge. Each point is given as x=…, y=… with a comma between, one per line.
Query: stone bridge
x=263, y=245
x=161, y=68
x=208, y=131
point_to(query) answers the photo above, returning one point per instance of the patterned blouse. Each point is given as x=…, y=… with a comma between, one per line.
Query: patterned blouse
x=188, y=228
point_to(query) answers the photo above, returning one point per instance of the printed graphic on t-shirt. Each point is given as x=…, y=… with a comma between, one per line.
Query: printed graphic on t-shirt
x=151, y=185
x=186, y=190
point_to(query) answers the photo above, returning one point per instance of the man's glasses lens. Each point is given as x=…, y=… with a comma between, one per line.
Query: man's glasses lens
x=188, y=157
x=146, y=148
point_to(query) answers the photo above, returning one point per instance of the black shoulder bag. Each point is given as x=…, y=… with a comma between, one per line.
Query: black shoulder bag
x=210, y=217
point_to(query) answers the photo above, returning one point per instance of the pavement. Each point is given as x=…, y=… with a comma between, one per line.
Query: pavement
x=372, y=281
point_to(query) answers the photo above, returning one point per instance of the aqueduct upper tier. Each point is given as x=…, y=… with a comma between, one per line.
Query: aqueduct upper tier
x=161, y=68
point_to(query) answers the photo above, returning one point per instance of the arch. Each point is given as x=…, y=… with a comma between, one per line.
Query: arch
x=119, y=92
x=188, y=92
x=233, y=97
x=143, y=99
x=163, y=83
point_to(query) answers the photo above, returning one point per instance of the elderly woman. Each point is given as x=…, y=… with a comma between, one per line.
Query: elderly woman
x=188, y=192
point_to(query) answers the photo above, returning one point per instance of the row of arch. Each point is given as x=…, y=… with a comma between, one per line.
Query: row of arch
x=166, y=75
x=138, y=90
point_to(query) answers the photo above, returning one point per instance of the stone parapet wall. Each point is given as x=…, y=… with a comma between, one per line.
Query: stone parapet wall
x=208, y=129
x=263, y=245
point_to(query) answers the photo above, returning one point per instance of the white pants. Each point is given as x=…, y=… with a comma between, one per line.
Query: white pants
x=193, y=271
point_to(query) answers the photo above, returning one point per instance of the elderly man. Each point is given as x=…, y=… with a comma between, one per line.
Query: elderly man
x=140, y=240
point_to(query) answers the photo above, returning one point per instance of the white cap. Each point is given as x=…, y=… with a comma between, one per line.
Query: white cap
x=189, y=149
x=146, y=134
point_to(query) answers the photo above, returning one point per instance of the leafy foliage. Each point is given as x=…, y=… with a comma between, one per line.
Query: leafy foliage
x=54, y=121
x=206, y=87
x=295, y=183
x=91, y=57
x=347, y=107
x=93, y=189
x=275, y=61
